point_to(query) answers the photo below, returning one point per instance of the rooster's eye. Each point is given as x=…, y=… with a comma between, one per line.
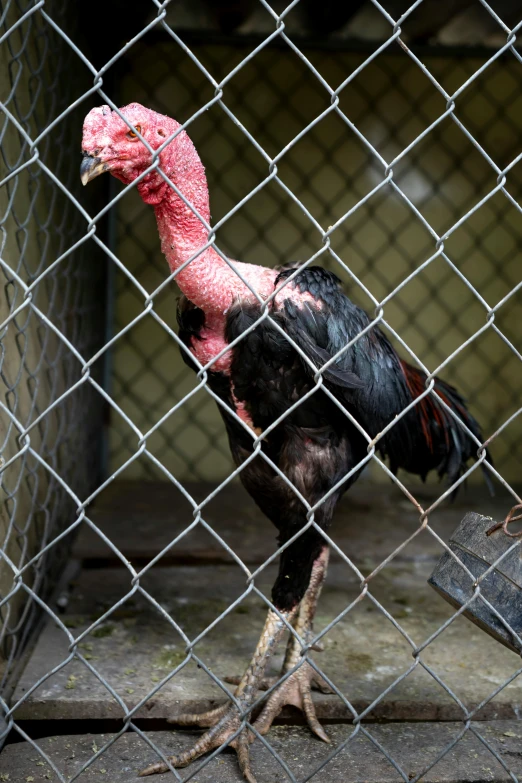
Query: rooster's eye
x=132, y=135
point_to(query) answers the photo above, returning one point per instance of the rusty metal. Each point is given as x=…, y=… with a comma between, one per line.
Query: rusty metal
x=504, y=525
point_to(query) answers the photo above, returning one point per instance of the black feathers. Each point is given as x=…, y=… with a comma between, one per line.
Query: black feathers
x=368, y=378
x=273, y=380
x=308, y=329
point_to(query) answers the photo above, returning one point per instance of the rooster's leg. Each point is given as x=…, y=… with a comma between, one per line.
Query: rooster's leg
x=227, y=720
x=303, y=626
x=296, y=689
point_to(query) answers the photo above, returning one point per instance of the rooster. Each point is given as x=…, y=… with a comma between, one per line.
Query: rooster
x=319, y=445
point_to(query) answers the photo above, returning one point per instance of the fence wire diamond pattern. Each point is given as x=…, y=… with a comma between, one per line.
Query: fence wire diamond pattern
x=44, y=439
x=382, y=238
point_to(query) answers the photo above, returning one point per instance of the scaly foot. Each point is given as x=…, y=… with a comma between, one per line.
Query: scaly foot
x=203, y=719
x=220, y=733
x=296, y=690
x=225, y=721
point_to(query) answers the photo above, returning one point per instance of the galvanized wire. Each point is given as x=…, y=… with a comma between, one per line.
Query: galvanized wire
x=55, y=446
x=34, y=365
x=216, y=132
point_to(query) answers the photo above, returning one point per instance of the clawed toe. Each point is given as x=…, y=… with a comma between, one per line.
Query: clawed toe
x=157, y=769
x=319, y=684
x=225, y=724
x=204, y=720
x=264, y=685
x=224, y=731
x=296, y=690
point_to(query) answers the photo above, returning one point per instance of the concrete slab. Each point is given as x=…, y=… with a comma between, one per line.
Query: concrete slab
x=412, y=745
x=365, y=654
x=141, y=518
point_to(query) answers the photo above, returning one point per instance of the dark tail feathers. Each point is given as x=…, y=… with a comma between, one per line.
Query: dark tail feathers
x=441, y=443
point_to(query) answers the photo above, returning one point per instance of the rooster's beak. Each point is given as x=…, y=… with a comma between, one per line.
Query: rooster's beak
x=90, y=168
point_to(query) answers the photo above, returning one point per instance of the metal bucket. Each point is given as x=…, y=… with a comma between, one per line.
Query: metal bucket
x=478, y=544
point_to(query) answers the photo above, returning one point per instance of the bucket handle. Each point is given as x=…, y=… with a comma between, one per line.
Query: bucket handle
x=511, y=517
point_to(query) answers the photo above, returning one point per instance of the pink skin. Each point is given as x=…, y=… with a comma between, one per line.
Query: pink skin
x=207, y=280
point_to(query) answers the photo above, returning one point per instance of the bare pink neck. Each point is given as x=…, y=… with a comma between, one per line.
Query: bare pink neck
x=207, y=280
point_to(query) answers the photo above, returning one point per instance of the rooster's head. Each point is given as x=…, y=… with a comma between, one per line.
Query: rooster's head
x=117, y=145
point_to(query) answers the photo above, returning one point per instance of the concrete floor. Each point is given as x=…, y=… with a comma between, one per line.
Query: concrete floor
x=365, y=654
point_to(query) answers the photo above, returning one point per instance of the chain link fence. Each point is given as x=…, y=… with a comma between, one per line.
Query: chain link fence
x=50, y=316
x=340, y=178
x=390, y=100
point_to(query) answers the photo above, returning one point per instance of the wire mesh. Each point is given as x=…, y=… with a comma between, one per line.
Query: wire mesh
x=53, y=328
x=41, y=280
x=391, y=101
